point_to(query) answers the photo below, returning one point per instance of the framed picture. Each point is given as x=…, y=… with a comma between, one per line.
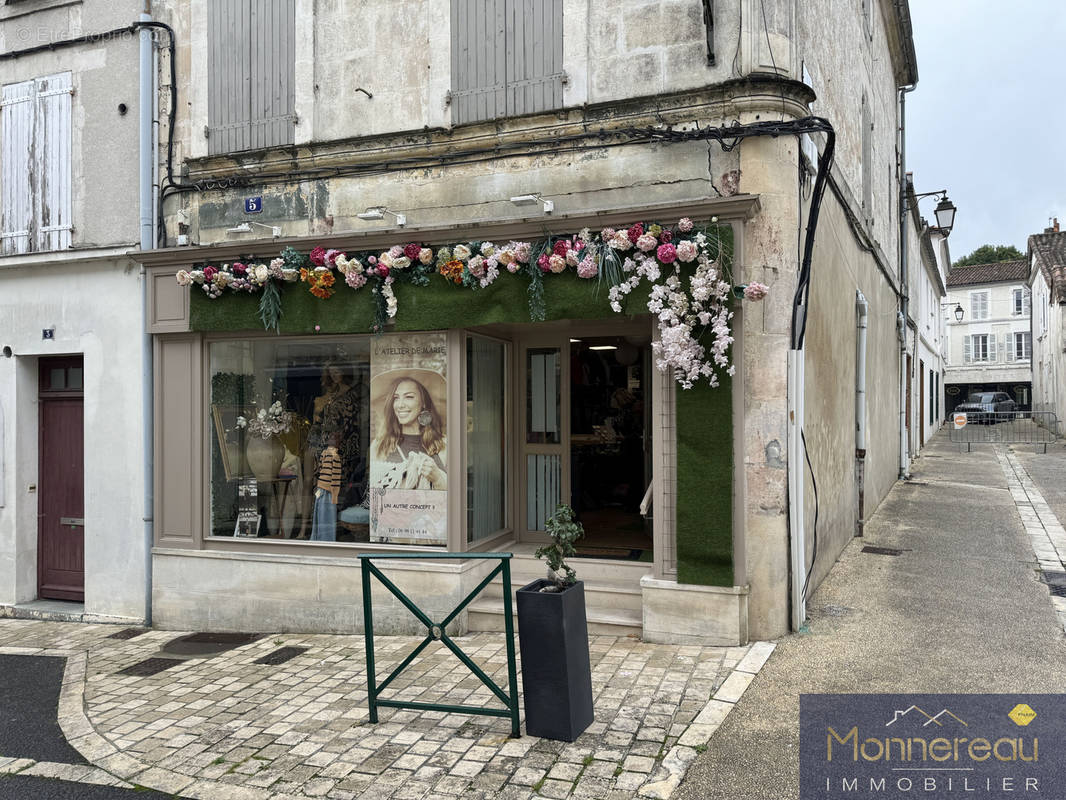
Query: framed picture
x=230, y=441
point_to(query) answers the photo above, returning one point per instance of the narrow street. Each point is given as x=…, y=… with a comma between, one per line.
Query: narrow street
x=961, y=610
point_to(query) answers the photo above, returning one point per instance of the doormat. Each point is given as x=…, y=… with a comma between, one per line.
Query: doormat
x=620, y=553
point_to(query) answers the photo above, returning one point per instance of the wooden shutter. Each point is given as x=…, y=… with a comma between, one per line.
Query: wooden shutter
x=16, y=139
x=507, y=58
x=534, y=55
x=967, y=349
x=1010, y=344
x=52, y=162
x=251, y=72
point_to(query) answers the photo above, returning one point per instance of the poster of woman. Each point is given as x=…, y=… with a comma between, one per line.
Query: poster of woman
x=408, y=449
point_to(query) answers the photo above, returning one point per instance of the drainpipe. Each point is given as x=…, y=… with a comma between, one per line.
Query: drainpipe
x=904, y=459
x=146, y=105
x=796, y=493
x=861, y=309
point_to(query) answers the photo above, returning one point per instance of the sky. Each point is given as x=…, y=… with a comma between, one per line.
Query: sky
x=987, y=121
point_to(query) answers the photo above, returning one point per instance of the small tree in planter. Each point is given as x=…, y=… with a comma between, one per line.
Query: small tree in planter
x=553, y=637
x=564, y=530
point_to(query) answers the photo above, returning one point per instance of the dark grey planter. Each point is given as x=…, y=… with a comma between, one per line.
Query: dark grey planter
x=556, y=676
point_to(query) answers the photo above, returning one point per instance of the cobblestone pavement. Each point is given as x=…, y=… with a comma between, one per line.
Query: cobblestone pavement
x=224, y=727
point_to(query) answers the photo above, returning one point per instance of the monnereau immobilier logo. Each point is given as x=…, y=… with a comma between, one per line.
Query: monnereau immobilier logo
x=891, y=746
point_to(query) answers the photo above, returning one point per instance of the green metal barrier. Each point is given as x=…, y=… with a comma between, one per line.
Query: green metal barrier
x=436, y=631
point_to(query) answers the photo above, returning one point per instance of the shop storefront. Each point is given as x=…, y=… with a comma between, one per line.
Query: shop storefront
x=459, y=425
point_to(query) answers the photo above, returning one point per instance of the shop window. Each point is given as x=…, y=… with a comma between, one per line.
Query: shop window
x=486, y=438
x=338, y=440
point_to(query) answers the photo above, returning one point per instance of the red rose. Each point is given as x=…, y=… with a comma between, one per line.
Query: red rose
x=412, y=250
x=239, y=268
x=666, y=237
x=635, y=232
x=318, y=256
x=383, y=271
x=561, y=247
x=210, y=273
x=542, y=262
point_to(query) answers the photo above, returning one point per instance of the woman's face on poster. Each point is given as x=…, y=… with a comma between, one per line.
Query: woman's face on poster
x=407, y=402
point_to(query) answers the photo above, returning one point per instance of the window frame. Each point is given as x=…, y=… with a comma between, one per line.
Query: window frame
x=984, y=294
x=456, y=460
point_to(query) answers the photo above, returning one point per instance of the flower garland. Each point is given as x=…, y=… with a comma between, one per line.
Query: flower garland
x=689, y=293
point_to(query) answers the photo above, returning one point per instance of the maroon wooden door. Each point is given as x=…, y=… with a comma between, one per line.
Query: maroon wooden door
x=61, y=480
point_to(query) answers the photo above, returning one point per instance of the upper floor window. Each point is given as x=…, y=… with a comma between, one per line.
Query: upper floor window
x=35, y=165
x=507, y=58
x=1020, y=299
x=252, y=72
x=979, y=305
x=978, y=347
x=1019, y=346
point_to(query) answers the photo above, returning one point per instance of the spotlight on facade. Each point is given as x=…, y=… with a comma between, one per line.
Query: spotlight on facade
x=379, y=212
x=246, y=227
x=527, y=199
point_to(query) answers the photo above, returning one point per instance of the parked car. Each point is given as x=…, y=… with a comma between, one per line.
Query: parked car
x=987, y=408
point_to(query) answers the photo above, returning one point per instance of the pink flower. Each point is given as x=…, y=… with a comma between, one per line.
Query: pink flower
x=356, y=280
x=687, y=251
x=684, y=225
x=383, y=271
x=635, y=232
x=587, y=268
x=318, y=256
x=756, y=291
x=513, y=267
x=607, y=233
x=561, y=247
x=373, y=259
x=318, y=328
x=666, y=237
x=556, y=263
x=542, y=262
x=572, y=257
x=209, y=274
x=666, y=253
x=238, y=268
x=395, y=251
x=412, y=251
x=331, y=257
x=646, y=242
x=522, y=251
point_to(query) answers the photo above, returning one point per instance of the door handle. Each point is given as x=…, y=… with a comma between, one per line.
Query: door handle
x=72, y=521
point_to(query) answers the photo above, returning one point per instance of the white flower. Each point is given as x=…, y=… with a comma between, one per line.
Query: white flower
x=401, y=262
x=487, y=248
x=262, y=273
x=425, y=255
x=183, y=277
x=461, y=252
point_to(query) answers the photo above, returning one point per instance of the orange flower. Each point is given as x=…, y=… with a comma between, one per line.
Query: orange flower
x=452, y=270
x=321, y=292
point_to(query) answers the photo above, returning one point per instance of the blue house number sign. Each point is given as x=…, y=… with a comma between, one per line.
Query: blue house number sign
x=253, y=205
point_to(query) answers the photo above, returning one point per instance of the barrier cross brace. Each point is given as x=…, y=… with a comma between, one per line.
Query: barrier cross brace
x=437, y=631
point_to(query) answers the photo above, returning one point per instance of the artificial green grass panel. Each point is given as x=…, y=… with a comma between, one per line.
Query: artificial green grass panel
x=438, y=306
x=705, y=484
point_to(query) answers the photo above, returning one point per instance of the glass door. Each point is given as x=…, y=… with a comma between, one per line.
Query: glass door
x=545, y=437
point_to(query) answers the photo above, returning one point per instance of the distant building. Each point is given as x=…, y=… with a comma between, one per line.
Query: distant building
x=1047, y=281
x=990, y=350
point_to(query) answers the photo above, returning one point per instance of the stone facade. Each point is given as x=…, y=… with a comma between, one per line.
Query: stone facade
x=378, y=131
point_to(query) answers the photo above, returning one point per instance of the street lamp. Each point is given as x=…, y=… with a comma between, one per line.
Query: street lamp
x=944, y=211
x=958, y=311
x=945, y=217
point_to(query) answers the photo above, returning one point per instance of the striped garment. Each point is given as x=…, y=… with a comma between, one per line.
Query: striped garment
x=329, y=473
